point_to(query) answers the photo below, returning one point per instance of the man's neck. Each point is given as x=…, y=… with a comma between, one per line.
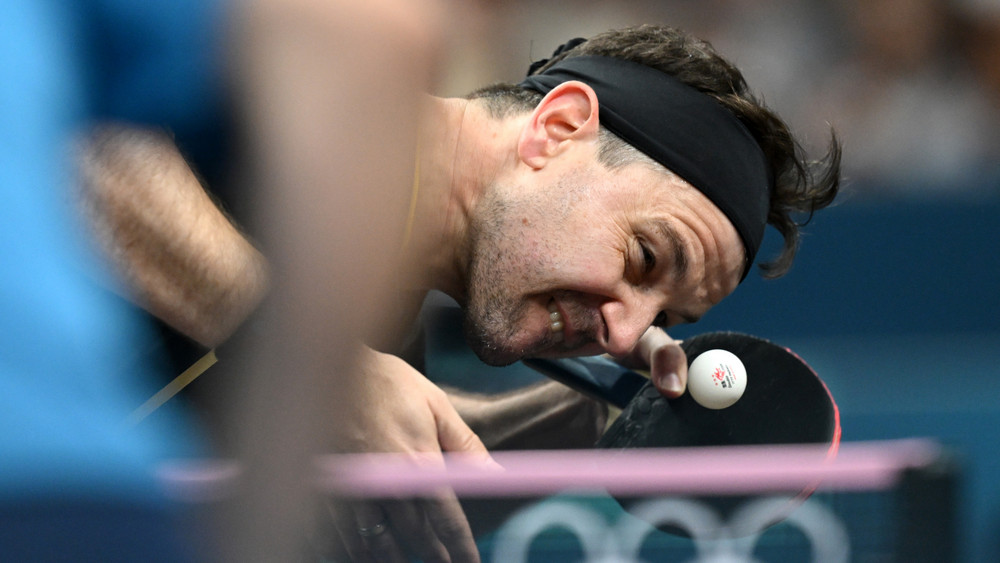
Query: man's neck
x=460, y=151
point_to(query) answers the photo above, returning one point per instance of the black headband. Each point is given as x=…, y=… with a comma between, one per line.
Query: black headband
x=681, y=128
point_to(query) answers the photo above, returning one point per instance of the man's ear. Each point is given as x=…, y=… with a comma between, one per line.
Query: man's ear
x=568, y=113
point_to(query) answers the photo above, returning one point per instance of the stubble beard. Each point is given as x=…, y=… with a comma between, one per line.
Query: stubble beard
x=494, y=311
x=489, y=335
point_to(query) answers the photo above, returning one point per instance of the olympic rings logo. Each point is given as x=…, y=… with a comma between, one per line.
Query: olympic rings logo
x=714, y=539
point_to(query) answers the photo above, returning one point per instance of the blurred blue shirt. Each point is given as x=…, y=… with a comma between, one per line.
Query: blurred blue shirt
x=69, y=374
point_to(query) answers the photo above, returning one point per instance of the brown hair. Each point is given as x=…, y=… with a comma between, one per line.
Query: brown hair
x=801, y=185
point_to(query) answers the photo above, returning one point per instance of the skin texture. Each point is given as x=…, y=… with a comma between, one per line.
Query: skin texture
x=580, y=251
x=553, y=228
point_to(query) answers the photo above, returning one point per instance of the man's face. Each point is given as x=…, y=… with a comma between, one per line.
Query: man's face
x=575, y=259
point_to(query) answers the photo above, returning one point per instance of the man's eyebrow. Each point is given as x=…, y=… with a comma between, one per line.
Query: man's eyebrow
x=680, y=264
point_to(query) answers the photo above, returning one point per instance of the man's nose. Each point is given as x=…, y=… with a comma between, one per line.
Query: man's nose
x=626, y=322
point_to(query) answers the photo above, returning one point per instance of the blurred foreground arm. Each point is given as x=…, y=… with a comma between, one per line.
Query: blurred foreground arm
x=332, y=93
x=179, y=255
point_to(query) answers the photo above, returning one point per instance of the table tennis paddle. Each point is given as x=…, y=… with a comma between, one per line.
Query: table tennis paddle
x=785, y=402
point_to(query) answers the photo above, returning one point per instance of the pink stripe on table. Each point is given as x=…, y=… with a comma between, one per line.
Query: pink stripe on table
x=711, y=470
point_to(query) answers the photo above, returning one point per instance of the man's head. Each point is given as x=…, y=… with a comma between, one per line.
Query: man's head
x=604, y=237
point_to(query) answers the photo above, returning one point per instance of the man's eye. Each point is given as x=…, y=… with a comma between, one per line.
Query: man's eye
x=648, y=259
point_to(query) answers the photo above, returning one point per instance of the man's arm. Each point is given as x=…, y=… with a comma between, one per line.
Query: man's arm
x=547, y=415
x=180, y=256
x=188, y=265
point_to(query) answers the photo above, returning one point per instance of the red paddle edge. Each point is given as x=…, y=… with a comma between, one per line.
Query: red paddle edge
x=831, y=452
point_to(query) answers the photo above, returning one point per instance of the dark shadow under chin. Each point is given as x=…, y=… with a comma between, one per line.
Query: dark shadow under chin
x=489, y=353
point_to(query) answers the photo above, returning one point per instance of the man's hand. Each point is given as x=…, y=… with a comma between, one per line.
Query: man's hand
x=665, y=360
x=398, y=410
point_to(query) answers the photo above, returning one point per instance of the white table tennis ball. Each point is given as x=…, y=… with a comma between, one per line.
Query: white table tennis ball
x=717, y=379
